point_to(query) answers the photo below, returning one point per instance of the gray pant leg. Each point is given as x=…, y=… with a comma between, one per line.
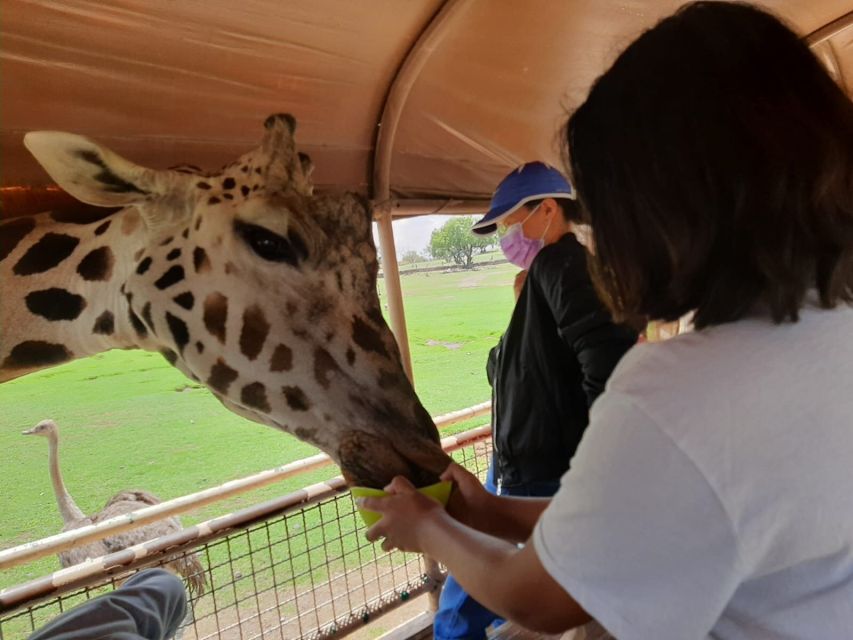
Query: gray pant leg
x=149, y=606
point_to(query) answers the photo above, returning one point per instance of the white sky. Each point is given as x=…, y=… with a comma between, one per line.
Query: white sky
x=413, y=234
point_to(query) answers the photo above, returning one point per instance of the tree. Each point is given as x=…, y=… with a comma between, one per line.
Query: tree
x=455, y=242
x=411, y=257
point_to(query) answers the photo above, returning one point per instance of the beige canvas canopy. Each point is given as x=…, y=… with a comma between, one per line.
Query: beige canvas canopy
x=427, y=102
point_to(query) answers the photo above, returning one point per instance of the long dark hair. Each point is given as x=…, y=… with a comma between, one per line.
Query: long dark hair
x=714, y=161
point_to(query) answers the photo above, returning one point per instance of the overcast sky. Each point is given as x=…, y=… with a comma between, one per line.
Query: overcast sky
x=413, y=234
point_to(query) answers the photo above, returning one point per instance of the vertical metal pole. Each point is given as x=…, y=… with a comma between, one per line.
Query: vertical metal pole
x=398, y=93
x=393, y=289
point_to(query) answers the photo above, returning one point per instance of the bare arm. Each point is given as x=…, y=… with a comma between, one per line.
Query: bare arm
x=525, y=592
x=508, y=518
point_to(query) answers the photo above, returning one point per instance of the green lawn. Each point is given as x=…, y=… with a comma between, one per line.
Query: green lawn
x=129, y=420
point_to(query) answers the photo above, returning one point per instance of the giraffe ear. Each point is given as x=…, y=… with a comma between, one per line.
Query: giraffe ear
x=95, y=175
x=89, y=172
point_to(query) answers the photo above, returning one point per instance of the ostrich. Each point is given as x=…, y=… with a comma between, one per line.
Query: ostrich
x=125, y=501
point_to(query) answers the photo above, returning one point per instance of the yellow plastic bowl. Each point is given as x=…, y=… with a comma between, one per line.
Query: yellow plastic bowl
x=440, y=492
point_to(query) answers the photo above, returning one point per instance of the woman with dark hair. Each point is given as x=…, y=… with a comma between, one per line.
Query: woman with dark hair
x=711, y=495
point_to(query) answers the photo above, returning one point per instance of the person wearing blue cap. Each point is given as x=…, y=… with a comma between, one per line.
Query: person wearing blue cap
x=551, y=363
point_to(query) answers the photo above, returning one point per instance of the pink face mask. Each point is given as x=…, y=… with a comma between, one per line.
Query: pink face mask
x=518, y=248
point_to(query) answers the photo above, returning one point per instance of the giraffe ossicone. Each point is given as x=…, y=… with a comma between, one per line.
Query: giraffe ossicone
x=243, y=279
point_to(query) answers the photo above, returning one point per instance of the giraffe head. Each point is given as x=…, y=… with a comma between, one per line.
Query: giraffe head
x=249, y=283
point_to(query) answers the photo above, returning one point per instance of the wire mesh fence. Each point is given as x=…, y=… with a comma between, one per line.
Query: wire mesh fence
x=297, y=571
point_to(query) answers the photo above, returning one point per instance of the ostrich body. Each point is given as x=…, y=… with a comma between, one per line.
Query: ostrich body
x=123, y=502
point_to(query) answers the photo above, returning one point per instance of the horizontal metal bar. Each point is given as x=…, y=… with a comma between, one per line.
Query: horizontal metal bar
x=402, y=208
x=121, y=561
x=69, y=539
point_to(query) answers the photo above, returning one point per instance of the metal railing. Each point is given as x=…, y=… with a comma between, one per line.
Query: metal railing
x=294, y=567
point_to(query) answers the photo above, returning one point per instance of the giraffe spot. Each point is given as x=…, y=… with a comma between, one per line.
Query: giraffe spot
x=308, y=435
x=202, y=185
x=213, y=200
x=296, y=398
x=138, y=254
x=97, y=265
x=282, y=359
x=129, y=222
x=340, y=281
x=143, y=266
x=254, y=333
x=36, y=353
x=55, y=304
x=324, y=365
x=201, y=262
x=245, y=190
x=228, y=196
x=49, y=251
x=255, y=396
x=199, y=346
x=179, y=331
x=173, y=276
x=104, y=324
x=229, y=266
x=82, y=215
x=146, y=317
x=228, y=183
x=11, y=233
x=185, y=300
x=171, y=356
x=258, y=170
x=244, y=169
x=102, y=228
x=375, y=314
x=185, y=233
x=215, y=315
x=367, y=337
x=221, y=376
x=167, y=241
x=388, y=380
x=136, y=323
x=174, y=253
x=350, y=356
x=198, y=223
x=255, y=187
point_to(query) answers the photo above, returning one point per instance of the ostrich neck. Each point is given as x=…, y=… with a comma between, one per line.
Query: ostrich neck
x=68, y=509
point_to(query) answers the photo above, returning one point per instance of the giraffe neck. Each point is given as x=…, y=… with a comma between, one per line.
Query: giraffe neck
x=68, y=509
x=61, y=291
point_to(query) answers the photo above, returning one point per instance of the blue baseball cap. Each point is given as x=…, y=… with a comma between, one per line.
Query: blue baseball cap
x=530, y=181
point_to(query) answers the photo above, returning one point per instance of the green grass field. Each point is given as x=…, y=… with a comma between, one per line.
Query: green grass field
x=129, y=420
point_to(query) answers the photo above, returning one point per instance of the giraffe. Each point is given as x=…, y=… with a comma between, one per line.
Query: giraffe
x=245, y=280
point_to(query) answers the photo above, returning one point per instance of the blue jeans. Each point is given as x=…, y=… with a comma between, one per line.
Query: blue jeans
x=149, y=606
x=459, y=615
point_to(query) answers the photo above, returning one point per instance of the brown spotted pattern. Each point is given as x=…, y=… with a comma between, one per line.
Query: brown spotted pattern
x=216, y=315
x=272, y=305
x=254, y=333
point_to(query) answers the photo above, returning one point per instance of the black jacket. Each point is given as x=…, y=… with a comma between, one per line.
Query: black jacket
x=550, y=364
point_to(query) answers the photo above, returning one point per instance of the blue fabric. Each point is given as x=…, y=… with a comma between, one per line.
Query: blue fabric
x=459, y=615
x=530, y=181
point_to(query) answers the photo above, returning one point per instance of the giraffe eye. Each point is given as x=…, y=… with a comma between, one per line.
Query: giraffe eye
x=271, y=246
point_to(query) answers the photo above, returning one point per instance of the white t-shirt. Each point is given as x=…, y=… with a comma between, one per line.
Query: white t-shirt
x=712, y=494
